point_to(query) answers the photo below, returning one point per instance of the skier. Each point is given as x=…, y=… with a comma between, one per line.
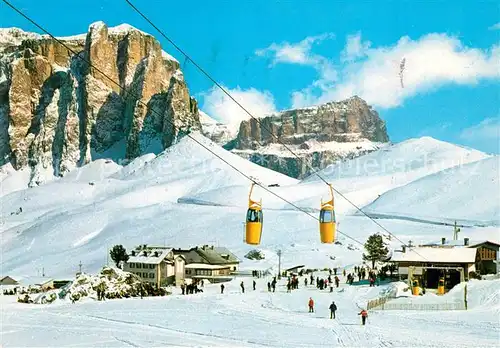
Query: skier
x=254, y=283
x=333, y=308
x=337, y=281
x=242, y=287
x=288, y=286
x=305, y=281
x=222, y=288
x=335, y=271
x=183, y=289
x=364, y=315
x=269, y=286
x=273, y=284
x=311, y=305
x=344, y=272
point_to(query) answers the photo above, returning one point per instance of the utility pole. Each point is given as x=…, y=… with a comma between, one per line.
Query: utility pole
x=43, y=271
x=279, y=264
x=80, y=267
x=455, y=231
x=409, y=244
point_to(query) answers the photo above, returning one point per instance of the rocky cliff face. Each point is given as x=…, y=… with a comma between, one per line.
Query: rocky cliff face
x=57, y=112
x=318, y=135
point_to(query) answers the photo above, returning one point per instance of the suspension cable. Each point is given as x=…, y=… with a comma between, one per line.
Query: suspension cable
x=262, y=126
x=130, y=93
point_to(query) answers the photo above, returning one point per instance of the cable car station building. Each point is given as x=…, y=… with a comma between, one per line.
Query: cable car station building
x=428, y=264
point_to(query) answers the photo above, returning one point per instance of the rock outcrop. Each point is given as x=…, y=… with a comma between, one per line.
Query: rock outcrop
x=57, y=112
x=218, y=132
x=318, y=135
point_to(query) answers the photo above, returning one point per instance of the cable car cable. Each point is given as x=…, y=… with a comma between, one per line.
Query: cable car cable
x=79, y=55
x=256, y=119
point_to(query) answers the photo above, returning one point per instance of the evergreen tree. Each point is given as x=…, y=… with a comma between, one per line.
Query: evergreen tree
x=376, y=249
x=118, y=254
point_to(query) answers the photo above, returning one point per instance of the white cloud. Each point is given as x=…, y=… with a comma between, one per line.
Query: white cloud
x=489, y=128
x=218, y=105
x=495, y=26
x=355, y=48
x=298, y=53
x=484, y=136
x=373, y=72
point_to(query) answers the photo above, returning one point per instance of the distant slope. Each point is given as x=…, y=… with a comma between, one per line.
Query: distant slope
x=404, y=162
x=369, y=176
x=362, y=180
x=468, y=193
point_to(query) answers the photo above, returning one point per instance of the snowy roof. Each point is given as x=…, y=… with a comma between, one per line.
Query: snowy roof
x=150, y=257
x=460, y=243
x=34, y=281
x=439, y=255
x=217, y=255
x=205, y=266
x=483, y=242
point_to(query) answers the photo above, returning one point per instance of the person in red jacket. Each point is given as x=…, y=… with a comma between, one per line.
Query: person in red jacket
x=364, y=315
x=311, y=305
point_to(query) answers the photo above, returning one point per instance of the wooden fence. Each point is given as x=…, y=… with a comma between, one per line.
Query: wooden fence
x=401, y=306
x=381, y=301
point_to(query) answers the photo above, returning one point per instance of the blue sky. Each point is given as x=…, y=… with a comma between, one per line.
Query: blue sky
x=275, y=55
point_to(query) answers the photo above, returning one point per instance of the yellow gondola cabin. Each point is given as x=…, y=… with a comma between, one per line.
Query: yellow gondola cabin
x=441, y=286
x=327, y=222
x=254, y=220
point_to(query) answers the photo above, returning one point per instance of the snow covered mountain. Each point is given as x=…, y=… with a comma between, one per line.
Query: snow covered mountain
x=185, y=196
x=218, y=132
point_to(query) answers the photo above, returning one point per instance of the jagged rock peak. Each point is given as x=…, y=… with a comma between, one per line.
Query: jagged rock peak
x=320, y=134
x=57, y=112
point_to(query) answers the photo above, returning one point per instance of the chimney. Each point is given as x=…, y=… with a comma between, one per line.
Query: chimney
x=466, y=241
x=404, y=248
x=443, y=241
x=133, y=252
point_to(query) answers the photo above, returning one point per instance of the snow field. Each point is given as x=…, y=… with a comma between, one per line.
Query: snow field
x=253, y=319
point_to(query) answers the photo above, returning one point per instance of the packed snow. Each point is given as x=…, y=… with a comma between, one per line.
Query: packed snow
x=254, y=319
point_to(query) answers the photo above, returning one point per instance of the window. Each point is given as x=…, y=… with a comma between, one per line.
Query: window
x=327, y=216
x=188, y=271
x=131, y=265
x=151, y=266
x=138, y=265
x=144, y=275
x=151, y=275
x=254, y=215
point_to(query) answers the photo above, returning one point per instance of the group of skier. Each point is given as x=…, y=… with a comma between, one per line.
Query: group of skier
x=320, y=283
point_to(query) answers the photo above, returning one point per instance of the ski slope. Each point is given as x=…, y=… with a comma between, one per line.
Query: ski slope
x=253, y=319
x=467, y=194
